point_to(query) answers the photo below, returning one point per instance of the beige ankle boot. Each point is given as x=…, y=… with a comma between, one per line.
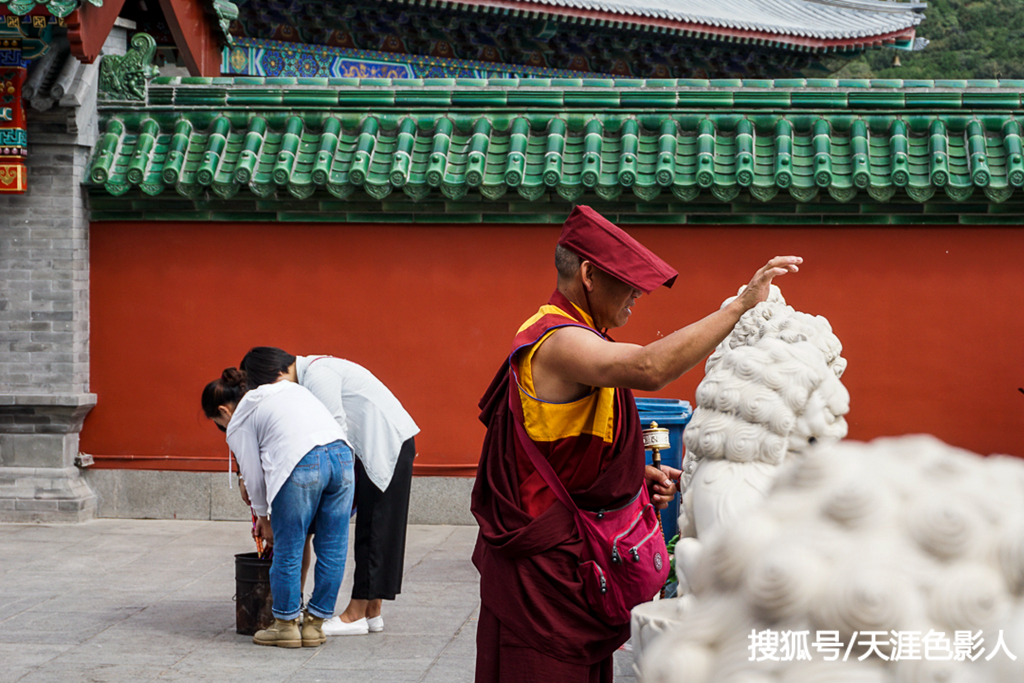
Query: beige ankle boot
x=280, y=634
x=312, y=630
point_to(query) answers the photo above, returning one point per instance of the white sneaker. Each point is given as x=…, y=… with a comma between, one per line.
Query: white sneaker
x=336, y=627
x=375, y=624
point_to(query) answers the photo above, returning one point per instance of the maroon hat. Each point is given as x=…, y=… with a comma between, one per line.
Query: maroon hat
x=596, y=239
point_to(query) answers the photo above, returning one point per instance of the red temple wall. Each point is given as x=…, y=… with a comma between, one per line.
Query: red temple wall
x=930, y=320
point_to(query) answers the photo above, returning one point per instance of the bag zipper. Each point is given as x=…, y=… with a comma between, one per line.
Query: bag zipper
x=601, y=513
x=604, y=583
x=634, y=550
x=616, y=558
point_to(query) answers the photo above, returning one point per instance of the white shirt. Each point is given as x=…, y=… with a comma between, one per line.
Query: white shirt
x=376, y=422
x=273, y=427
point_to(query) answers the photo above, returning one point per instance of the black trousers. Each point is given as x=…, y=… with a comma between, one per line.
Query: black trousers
x=381, y=520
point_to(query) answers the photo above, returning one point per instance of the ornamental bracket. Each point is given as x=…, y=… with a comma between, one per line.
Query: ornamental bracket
x=124, y=77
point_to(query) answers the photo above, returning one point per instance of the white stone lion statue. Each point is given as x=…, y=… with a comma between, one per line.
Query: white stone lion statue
x=770, y=390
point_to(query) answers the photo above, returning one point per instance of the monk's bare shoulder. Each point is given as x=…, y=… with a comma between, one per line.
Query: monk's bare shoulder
x=555, y=362
x=573, y=360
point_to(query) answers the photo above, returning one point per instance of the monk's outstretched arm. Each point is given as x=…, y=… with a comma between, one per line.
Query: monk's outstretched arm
x=575, y=355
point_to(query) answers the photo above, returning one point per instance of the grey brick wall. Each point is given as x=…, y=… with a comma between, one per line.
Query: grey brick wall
x=44, y=265
x=44, y=315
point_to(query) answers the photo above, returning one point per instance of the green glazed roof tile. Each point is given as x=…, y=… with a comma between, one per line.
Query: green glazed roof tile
x=527, y=94
x=675, y=149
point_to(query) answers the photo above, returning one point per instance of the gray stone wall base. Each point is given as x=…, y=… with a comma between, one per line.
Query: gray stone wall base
x=441, y=500
x=45, y=495
x=37, y=450
x=38, y=446
x=148, y=494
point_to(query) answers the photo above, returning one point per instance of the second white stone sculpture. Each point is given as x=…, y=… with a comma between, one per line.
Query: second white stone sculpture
x=888, y=542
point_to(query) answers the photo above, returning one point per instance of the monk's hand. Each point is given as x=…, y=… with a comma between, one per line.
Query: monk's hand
x=663, y=484
x=760, y=285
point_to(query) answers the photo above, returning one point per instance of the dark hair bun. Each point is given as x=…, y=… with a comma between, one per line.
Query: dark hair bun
x=228, y=390
x=233, y=377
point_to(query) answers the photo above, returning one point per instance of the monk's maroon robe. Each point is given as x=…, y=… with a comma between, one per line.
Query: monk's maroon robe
x=529, y=582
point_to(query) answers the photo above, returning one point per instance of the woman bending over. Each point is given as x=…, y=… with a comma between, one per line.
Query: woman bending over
x=381, y=434
x=297, y=467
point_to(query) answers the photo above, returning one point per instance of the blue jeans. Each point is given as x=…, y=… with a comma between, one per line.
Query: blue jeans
x=319, y=490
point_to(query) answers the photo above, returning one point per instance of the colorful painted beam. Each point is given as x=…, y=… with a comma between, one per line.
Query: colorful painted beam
x=272, y=58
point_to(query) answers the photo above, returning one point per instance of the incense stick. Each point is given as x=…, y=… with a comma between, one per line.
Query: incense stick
x=259, y=541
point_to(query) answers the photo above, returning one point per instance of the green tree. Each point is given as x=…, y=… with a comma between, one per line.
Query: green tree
x=968, y=39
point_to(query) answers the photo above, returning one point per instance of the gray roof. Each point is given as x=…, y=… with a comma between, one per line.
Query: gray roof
x=816, y=19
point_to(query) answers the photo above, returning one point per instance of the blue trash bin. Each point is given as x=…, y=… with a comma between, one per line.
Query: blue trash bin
x=673, y=415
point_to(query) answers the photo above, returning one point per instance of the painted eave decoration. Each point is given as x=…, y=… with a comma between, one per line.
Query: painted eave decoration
x=505, y=150
x=13, y=130
x=803, y=24
x=488, y=38
x=23, y=38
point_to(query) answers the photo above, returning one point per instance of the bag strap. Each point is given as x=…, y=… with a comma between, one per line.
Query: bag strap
x=540, y=463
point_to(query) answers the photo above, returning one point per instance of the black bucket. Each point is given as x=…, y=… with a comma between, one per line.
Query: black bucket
x=253, y=601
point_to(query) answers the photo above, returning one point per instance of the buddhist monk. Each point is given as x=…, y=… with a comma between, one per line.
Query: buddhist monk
x=574, y=384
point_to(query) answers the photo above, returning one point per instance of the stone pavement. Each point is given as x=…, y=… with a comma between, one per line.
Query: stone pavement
x=131, y=601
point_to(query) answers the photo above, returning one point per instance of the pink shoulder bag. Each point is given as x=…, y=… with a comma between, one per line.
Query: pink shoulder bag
x=624, y=561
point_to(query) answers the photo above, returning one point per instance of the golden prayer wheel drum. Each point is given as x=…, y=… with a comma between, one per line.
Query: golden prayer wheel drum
x=656, y=438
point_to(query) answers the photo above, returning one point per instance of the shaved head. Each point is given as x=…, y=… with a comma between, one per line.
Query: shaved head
x=567, y=263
